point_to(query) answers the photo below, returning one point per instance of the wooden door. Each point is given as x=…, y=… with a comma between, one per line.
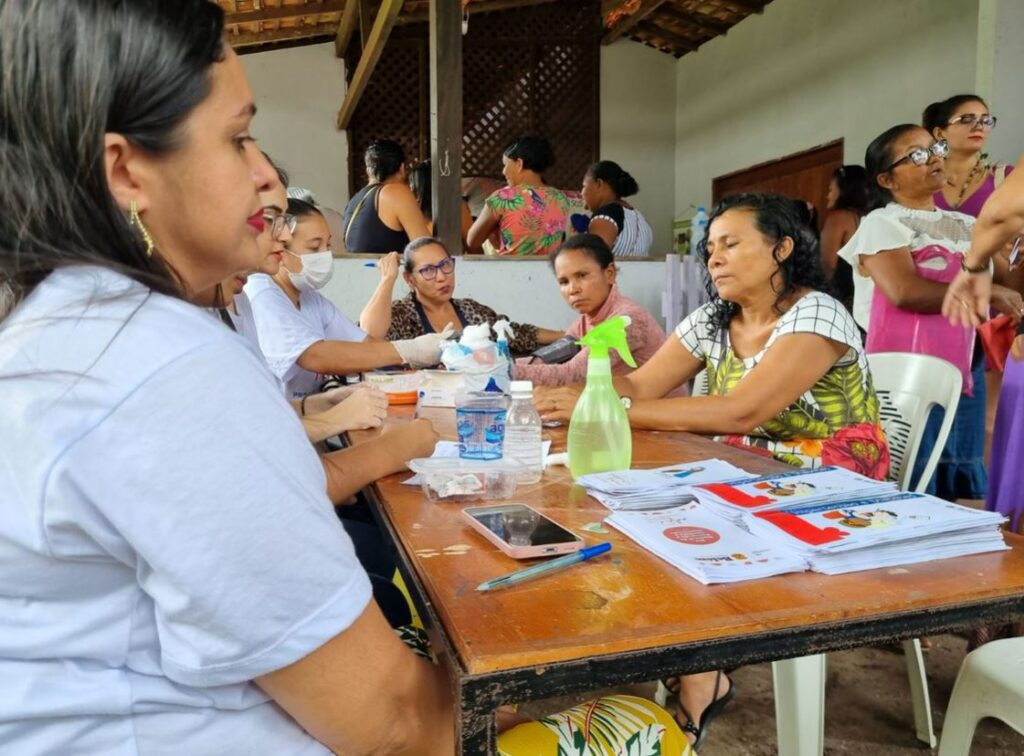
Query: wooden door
x=802, y=175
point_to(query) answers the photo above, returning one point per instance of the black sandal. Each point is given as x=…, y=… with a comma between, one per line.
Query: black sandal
x=713, y=710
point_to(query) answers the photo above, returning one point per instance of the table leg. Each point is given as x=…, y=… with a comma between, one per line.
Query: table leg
x=475, y=731
x=800, y=705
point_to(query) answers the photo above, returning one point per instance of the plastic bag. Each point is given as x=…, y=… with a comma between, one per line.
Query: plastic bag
x=478, y=358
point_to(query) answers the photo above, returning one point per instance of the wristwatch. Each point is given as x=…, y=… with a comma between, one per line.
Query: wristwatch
x=627, y=402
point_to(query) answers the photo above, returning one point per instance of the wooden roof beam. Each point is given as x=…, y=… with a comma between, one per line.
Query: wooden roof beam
x=285, y=11
x=421, y=17
x=346, y=25
x=647, y=7
x=712, y=27
x=389, y=10
x=746, y=6
x=242, y=40
x=679, y=43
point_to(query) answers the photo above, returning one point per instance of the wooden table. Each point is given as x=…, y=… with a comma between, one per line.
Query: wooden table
x=630, y=617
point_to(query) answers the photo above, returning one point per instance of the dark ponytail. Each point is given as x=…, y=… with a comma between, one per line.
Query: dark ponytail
x=612, y=174
x=877, y=159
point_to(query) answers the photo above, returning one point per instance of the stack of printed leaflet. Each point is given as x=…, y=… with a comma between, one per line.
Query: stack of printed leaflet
x=829, y=520
x=659, y=488
x=707, y=545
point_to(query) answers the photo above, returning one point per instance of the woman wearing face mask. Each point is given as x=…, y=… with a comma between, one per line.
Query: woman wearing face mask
x=172, y=576
x=903, y=255
x=302, y=335
x=326, y=414
x=429, y=271
x=586, y=273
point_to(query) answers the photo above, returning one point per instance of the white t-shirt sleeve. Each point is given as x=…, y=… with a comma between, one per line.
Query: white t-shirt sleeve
x=337, y=327
x=217, y=504
x=282, y=331
x=693, y=332
x=878, y=231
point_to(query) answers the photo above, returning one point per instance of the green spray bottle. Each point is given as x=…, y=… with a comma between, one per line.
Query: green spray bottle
x=600, y=438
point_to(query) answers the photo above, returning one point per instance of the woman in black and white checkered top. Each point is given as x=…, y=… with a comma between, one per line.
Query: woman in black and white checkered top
x=620, y=224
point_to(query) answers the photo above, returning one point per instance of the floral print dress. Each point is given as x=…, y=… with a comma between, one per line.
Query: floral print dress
x=836, y=422
x=531, y=219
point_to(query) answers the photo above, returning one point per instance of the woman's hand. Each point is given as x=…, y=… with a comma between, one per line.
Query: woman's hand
x=388, y=267
x=556, y=403
x=317, y=403
x=1007, y=302
x=363, y=409
x=967, y=299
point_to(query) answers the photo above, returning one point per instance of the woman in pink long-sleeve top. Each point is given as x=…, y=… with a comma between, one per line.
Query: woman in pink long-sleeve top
x=585, y=269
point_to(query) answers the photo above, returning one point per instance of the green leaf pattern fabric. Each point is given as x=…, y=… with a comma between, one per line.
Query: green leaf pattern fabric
x=531, y=219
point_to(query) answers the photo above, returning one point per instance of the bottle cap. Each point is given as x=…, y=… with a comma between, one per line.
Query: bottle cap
x=522, y=387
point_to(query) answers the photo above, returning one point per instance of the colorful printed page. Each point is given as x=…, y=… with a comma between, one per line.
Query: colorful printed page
x=706, y=546
x=686, y=474
x=786, y=489
x=862, y=523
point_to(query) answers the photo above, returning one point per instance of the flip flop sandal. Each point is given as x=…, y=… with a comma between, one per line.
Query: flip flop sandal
x=713, y=709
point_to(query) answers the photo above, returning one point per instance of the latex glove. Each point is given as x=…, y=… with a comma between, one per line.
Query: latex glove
x=317, y=403
x=407, y=441
x=363, y=409
x=425, y=350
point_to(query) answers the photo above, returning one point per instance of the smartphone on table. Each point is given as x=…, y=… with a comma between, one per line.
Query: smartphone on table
x=521, y=531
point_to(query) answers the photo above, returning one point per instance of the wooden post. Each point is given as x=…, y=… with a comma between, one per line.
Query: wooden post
x=446, y=120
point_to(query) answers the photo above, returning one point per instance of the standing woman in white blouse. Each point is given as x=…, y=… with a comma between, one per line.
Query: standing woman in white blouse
x=173, y=578
x=904, y=254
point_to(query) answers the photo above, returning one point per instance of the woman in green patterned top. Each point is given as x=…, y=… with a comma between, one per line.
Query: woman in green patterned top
x=786, y=369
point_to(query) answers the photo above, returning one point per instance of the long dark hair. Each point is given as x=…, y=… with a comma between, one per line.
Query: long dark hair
x=877, y=159
x=852, y=181
x=384, y=158
x=73, y=71
x=421, y=183
x=534, y=151
x=777, y=218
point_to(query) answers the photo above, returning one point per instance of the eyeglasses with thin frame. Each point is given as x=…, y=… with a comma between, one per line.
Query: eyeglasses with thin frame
x=429, y=272
x=920, y=155
x=985, y=122
x=278, y=221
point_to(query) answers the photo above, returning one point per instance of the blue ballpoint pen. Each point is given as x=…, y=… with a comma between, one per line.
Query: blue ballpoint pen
x=520, y=576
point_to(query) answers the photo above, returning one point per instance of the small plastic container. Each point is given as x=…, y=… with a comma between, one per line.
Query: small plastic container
x=457, y=479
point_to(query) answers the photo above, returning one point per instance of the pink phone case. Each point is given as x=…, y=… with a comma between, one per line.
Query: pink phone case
x=521, y=552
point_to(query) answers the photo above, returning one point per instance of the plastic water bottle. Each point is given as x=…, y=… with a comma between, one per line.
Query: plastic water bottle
x=522, y=433
x=698, y=229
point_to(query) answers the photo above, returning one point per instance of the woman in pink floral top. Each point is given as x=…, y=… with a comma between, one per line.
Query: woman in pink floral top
x=527, y=217
x=585, y=269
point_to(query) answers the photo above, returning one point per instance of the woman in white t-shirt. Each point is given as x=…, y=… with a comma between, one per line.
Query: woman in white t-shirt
x=304, y=337
x=904, y=254
x=165, y=540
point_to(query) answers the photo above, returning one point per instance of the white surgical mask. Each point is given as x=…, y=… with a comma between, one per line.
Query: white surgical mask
x=317, y=269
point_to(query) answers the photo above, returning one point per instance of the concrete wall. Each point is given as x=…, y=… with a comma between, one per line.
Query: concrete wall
x=638, y=107
x=298, y=92
x=1000, y=64
x=806, y=72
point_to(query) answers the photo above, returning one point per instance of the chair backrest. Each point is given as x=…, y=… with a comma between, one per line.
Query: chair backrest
x=908, y=387
x=700, y=384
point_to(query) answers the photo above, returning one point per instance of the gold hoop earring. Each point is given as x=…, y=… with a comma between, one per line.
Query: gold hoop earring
x=135, y=221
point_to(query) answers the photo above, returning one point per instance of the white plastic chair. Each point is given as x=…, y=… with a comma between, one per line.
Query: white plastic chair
x=990, y=684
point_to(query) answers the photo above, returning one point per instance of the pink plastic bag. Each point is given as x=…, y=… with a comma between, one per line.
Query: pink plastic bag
x=895, y=330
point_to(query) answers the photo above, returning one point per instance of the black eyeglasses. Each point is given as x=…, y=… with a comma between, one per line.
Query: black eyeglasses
x=429, y=272
x=277, y=222
x=920, y=155
x=971, y=120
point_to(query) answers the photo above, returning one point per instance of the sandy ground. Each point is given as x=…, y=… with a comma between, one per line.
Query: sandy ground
x=868, y=709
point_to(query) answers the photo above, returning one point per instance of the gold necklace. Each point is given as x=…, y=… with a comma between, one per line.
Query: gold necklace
x=980, y=166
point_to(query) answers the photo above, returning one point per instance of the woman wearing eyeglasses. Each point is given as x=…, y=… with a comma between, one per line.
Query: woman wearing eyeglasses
x=904, y=254
x=303, y=336
x=429, y=271
x=965, y=123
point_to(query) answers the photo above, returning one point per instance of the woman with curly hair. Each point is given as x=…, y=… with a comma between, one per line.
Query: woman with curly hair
x=810, y=400
x=787, y=375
